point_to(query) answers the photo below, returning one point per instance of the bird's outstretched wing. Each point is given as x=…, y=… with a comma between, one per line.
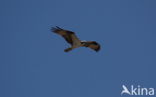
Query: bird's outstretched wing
x=69, y=36
x=93, y=45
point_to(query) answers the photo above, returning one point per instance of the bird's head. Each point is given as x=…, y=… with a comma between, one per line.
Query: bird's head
x=83, y=42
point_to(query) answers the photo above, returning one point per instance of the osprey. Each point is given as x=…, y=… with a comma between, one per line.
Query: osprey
x=72, y=39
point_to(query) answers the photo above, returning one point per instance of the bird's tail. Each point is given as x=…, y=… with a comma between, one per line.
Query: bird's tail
x=68, y=49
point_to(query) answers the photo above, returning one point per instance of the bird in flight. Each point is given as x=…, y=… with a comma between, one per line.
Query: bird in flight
x=74, y=41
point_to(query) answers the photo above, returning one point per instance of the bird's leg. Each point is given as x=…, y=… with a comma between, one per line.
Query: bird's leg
x=68, y=49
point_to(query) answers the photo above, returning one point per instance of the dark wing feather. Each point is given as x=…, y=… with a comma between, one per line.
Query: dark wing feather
x=93, y=45
x=66, y=34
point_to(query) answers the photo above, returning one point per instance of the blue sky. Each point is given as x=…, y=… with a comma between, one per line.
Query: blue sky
x=33, y=61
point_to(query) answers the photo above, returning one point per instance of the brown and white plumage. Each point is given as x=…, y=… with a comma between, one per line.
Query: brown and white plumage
x=74, y=41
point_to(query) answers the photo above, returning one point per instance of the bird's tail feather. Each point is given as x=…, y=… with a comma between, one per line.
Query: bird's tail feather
x=68, y=49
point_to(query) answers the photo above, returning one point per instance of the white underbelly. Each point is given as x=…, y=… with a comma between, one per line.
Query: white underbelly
x=76, y=45
x=76, y=42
